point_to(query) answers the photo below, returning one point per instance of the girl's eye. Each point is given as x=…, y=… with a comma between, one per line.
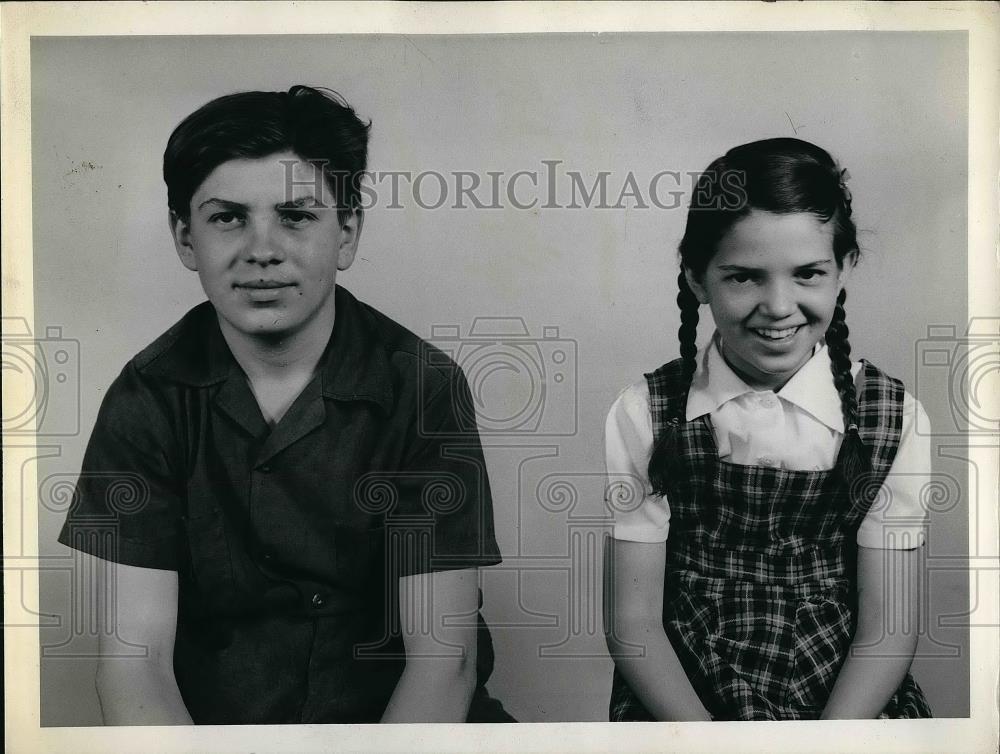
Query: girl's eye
x=811, y=274
x=740, y=277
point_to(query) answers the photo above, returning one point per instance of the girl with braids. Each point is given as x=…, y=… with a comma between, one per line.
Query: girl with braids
x=767, y=570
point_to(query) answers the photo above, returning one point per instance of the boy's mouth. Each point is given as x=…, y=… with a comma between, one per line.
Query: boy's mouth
x=262, y=285
x=776, y=334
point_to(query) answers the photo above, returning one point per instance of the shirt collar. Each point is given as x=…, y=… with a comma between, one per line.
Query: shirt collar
x=354, y=365
x=811, y=388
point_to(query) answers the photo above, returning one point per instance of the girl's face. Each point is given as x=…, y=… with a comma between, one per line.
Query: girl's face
x=772, y=287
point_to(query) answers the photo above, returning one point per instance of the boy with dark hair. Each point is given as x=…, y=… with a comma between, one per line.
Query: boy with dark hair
x=309, y=500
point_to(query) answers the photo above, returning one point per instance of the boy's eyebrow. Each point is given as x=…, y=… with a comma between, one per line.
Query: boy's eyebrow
x=303, y=201
x=227, y=204
x=741, y=268
x=223, y=203
x=817, y=263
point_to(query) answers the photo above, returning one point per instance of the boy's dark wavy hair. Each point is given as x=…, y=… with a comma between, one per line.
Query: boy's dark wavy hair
x=316, y=124
x=774, y=175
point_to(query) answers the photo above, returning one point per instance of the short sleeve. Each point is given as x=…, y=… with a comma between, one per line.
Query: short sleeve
x=126, y=504
x=444, y=517
x=898, y=519
x=639, y=515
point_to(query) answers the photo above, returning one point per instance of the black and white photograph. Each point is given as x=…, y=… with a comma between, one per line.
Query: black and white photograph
x=637, y=378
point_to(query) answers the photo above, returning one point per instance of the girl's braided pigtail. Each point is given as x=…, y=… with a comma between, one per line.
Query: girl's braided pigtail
x=688, y=332
x=665, y=449
x=855, y=460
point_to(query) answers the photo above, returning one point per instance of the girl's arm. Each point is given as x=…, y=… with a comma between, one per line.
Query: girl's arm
x=886, y=637
x=633, y=620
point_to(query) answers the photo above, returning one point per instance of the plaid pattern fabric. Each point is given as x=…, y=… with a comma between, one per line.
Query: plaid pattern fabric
x=758, y=591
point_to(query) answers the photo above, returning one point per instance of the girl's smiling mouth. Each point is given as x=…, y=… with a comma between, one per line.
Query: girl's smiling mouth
x=776, y=334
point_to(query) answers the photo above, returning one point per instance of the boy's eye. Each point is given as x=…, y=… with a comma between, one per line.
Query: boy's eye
x=295, y=217
x=225, y=218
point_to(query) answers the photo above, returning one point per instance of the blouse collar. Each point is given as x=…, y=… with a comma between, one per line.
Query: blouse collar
x=811, y=388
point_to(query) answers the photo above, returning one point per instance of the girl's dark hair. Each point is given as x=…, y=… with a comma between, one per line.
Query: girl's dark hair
x=780, y=176
x=316, y=124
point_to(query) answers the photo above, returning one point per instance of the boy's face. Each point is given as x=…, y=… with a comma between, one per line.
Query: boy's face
x=267, y=243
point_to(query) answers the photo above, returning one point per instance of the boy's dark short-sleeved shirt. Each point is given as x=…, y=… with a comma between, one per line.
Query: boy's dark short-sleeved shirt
x=288, y=541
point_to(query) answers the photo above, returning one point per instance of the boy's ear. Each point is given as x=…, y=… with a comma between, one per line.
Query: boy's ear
x=180, y=229
x=347, y=239
x=696, y=286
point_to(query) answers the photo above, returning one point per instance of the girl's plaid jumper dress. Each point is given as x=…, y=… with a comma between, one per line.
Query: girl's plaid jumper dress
x=760, y=566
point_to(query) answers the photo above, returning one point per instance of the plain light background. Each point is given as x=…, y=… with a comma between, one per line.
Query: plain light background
x=594, y=283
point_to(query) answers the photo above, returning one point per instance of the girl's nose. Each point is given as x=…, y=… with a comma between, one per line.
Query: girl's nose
x=778, y=300
x=263, y=245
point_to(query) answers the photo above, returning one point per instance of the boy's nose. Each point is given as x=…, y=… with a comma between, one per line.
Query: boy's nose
x=263, y=245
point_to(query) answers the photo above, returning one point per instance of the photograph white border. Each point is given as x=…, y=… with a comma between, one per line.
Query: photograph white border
x=20, y=21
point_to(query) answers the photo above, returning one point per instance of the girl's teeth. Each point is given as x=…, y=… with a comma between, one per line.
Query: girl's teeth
x=776, y=334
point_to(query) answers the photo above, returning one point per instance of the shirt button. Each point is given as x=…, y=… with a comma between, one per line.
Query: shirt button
x=265, y=469
x=767, y=401
x=268, y=557
x=318, y=600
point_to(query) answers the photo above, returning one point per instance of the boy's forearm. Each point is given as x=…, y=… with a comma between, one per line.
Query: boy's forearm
x=657, y=677
x=137, y=692
x=432, y=690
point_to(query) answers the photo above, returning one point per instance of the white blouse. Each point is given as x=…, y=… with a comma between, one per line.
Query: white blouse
x=799, y=428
